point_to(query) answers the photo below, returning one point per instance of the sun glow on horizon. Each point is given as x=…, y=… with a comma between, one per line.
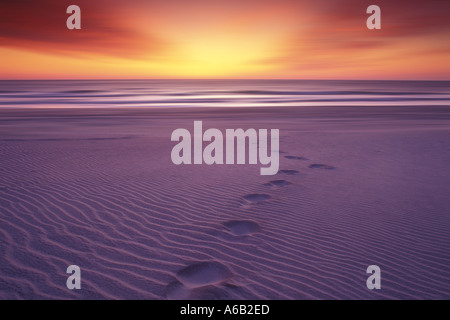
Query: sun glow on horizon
x=233, y=39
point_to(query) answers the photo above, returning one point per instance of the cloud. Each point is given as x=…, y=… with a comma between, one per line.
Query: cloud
x=41, y=26
x=190, y=37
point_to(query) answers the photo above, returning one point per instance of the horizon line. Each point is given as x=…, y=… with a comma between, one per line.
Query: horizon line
x=218, y=79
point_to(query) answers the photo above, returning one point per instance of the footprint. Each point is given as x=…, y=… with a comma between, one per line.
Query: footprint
x=321, y=166
x=177, y=291
x=256, y=197
x=203, y=274
x=210, y=293
x=288, y=172
x=242, y=227
x=296, y=158
x=278, y=183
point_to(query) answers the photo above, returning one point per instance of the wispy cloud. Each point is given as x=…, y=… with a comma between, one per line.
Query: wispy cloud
x=229, y=38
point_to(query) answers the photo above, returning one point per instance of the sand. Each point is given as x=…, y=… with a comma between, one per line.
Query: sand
x=96, y=188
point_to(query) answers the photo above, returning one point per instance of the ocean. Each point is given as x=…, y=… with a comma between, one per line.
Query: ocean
x=220, y=93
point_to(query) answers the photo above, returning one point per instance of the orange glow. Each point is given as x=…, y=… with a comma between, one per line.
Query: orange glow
x=226, y=39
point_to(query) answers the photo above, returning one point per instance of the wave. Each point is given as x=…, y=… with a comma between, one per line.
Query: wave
x=220, y=93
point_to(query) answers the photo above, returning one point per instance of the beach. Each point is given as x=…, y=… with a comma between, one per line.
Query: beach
x=96, y=188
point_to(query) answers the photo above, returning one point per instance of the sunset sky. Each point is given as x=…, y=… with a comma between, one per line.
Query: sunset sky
x=301, y=39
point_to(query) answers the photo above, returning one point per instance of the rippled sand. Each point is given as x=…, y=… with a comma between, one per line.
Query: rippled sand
x=97, y=188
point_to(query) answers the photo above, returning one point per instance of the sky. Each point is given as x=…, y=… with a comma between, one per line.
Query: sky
x=257, y=39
